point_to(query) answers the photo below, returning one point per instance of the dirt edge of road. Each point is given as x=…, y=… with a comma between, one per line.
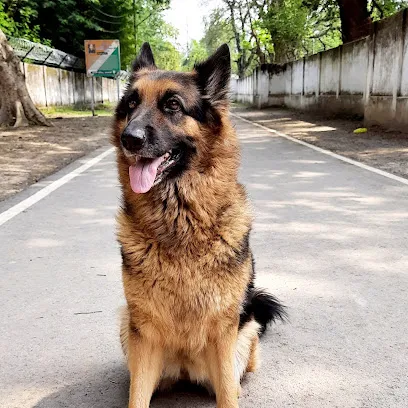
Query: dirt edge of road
x=28, y=154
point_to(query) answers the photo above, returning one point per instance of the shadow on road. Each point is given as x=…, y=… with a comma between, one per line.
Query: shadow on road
x=105, y=389
x=109, y=389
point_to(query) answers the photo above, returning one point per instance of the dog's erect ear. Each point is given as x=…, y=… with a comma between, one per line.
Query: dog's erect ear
x=145, y=58
x=214, y=75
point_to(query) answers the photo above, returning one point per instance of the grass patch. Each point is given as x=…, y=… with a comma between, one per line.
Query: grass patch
x=105, y=109
x=240, y=105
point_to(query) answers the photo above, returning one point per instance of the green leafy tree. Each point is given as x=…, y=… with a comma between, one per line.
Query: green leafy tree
x=218, y=30
x=6, y=23
x=19, y=18
x=275, y=31
x=167, y=56
x=287, y=23
x=352, y=18
x=196, y=52
x=385, y=8
x=65, y=24
x=133, y=23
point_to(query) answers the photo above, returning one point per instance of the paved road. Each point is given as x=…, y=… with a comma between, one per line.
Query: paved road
x=330, y=240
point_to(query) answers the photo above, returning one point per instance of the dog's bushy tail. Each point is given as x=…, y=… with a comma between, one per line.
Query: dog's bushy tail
x=265, y=308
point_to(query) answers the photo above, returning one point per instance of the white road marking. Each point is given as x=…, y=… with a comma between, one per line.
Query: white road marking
x=39, y=195
x=327, y=152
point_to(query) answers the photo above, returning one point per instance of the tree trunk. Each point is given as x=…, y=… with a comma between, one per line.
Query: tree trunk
x=355, y=19
x=16, y=106
x=241, y=57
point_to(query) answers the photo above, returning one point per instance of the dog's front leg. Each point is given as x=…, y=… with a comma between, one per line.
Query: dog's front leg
x=145, y=362
x=221, y=363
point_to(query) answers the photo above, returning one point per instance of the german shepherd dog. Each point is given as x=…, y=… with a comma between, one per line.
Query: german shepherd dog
x=188, y=272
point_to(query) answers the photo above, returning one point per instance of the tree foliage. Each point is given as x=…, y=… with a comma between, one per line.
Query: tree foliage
x=275, y=31
x=65, y=24
x=197, y=52
x=288, y=24
x=20, y=19
x=150, y=26
x=385, y=8
x=258, y=31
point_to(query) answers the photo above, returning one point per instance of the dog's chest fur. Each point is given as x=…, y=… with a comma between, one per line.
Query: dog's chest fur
x=179, y=282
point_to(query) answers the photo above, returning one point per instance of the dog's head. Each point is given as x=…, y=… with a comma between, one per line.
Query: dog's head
x=167, y=121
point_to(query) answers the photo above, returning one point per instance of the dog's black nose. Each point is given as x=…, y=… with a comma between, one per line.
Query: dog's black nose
x=133, y=138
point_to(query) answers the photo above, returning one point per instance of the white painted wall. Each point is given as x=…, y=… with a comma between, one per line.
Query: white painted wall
x=369, y=77
x=263, y=88
x=277, y=84
x=49, y=86
x=245, y=89
x=354, y=67
x=330, y=72
x=385, y=67
x=404, y=71
x=297, y=77
x=312, y=75
x=288, y=79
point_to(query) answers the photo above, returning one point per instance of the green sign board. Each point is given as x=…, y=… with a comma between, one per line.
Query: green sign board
x=102, y=57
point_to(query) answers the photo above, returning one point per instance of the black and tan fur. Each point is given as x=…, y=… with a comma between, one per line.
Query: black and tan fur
x=192, y=310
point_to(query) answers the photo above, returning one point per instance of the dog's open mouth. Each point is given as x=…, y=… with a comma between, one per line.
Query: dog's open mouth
x=146, y=172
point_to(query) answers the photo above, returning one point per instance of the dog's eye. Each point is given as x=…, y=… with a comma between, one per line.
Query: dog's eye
x=173, y=105
x=132, y=104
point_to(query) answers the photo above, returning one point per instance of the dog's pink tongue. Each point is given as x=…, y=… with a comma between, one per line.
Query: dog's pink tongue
x=143, y=174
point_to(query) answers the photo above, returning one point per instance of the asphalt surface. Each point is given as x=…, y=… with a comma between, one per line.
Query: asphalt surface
x=330, y=240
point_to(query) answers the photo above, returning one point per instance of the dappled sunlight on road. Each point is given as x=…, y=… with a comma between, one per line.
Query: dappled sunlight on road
x=330, y=241
x=321, y=129
x=43, y=242
x=384, y=149
x=308, y=174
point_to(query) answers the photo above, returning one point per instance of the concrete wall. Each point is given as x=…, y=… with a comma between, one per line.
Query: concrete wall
x=387, y=93
x=368, y=77
x=49, y=86
x=244, y=89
